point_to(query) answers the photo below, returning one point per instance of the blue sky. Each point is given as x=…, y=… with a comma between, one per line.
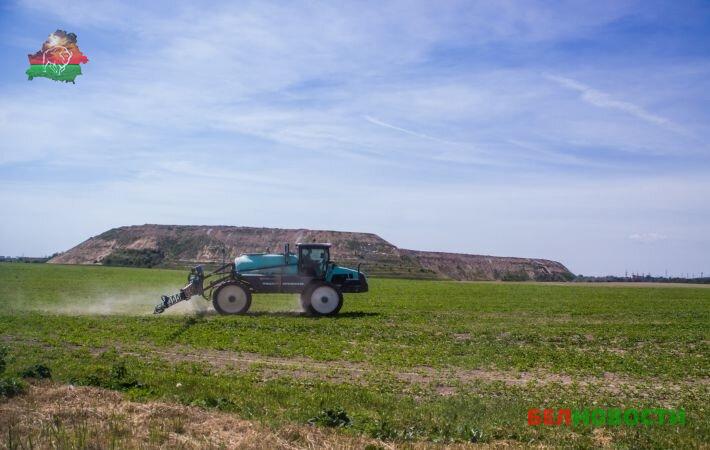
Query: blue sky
x=575, y=131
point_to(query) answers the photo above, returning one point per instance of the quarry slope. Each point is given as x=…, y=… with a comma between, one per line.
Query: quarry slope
x=185, y=245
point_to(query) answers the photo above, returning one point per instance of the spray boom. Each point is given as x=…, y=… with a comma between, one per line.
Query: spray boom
x=194, y=287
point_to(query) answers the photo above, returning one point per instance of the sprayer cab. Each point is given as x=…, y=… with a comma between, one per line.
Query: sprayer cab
x=309, y=272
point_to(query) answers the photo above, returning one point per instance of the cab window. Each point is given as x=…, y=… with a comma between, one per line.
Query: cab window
x=313, y=260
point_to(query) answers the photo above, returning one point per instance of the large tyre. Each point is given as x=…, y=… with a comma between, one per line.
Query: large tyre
x=322, y=299
x=231, y=298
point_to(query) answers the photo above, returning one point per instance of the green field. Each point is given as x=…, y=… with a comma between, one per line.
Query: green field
x=420, y=360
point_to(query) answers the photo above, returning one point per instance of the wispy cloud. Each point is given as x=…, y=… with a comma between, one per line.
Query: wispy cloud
x=603, y=100
x=406, y=131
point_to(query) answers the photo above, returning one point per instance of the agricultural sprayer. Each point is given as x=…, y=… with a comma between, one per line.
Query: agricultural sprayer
x=310, y=273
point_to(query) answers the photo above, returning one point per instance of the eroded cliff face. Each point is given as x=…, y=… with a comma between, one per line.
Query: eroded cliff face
x=179, y=245
x=482, y=267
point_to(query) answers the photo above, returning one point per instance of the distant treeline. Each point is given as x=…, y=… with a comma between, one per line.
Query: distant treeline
x=25, y=259
x=641, y=279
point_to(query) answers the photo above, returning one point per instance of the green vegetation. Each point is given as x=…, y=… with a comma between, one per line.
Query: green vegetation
x=37, y=371
x=331, y=418
x=9, y=386
x=516, y=276
x=3, y=362
x=410, y=360
x=134, y=258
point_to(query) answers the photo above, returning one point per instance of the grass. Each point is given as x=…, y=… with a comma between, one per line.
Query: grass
x=410, y=360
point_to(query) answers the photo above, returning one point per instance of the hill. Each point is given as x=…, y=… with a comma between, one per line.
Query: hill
x=185, y=245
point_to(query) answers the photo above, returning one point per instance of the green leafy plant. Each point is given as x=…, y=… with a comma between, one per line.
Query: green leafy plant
x=36, y=371
x=9, y=387
x=3, y=355
x=115, y=377
x=334, y=418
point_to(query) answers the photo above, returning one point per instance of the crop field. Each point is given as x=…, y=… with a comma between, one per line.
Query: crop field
x=409, y=363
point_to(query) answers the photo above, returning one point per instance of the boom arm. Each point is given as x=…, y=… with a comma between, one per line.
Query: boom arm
x=195, y=286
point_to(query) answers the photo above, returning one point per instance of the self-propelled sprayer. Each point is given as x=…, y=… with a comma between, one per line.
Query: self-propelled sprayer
x=310, y=273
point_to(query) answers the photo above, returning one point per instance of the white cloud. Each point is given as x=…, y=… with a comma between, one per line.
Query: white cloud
x=647, y=238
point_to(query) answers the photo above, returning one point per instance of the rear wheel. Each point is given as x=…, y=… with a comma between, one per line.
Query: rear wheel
x=231, y=298
x=322, y=299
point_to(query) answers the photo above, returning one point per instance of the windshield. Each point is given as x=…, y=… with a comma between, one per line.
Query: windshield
x=314, y=260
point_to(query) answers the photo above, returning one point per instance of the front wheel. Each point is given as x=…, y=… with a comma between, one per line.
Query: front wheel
x=231, y=298
x=322, y=299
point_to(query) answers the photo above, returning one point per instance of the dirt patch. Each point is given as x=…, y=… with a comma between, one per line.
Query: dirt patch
x=602, y=438
x=65, y=416
x=340, y=371
x=425, y=375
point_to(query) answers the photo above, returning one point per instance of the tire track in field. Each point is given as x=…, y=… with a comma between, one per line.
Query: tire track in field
x=444, y=380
